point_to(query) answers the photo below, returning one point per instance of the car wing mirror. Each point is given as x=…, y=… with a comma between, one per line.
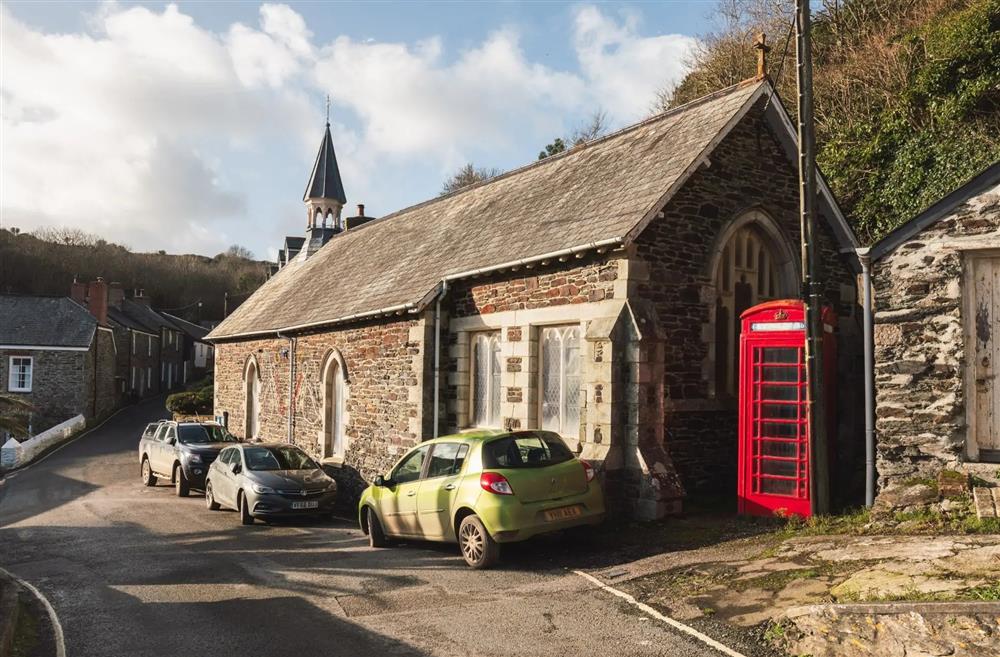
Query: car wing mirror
x=235, y=467
x=383, y=482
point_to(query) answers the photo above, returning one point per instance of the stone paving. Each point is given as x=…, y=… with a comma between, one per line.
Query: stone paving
x=987, y=502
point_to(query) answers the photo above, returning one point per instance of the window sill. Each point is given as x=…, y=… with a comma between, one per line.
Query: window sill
x=335, y=461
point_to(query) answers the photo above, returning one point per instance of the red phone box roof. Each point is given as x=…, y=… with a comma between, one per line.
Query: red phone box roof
x=771, y=315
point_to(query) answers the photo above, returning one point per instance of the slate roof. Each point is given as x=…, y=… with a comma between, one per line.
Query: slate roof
x=45, y=321
x=325, y=179
x=601, y=193
x=146, y=316
x=191, y=329
x=119, y=317
x=981, y=182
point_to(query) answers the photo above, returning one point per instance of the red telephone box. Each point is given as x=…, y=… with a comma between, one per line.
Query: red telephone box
x=774, y=445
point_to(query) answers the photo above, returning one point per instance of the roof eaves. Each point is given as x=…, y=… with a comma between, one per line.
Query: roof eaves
x=982, y=181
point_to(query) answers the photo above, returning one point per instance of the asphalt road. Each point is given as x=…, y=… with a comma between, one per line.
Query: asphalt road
x=132, y=570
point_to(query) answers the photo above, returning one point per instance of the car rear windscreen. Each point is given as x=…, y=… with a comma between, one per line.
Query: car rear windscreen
x=535, y=449
x=195, y=434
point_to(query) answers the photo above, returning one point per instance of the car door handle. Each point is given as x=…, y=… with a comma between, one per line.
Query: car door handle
x=450, y=487
x=411, y=493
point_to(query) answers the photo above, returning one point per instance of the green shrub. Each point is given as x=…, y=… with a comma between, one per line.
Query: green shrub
x=191, y=403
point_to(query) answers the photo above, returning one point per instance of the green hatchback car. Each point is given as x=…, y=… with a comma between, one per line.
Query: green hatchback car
x=481, y=489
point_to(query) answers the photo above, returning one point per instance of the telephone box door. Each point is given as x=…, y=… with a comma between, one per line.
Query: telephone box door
x=774, y=459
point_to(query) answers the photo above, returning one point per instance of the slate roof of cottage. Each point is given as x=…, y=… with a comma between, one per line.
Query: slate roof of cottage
x=603, y=192
x=981, y=182
x=45, y=321
x=146, y=316
x=193, y=330
x=119, y=317
x=325, y=179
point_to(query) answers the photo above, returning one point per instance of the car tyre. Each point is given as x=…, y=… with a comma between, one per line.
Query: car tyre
x=148, y=478
x=210, y=502
x=245, y=516
x=478, y=548
x=376, y=535
x=181, y=484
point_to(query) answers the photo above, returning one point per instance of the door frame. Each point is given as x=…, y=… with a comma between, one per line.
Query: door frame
x=968, y=310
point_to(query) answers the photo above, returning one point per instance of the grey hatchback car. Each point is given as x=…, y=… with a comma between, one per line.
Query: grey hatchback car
x=268, y=480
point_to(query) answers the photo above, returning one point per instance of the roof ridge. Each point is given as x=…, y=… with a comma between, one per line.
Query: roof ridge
x=575, y=149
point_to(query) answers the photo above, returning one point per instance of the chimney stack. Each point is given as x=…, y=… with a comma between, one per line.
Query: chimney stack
x=78, y=292
x=360, y=218
x=116, y=294
x=97, y=300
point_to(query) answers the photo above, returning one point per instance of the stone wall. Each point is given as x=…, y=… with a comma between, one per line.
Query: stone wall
x=384, y=400
x=60, y=386
x=104, y=367
x=920, y=343
x=672, y=267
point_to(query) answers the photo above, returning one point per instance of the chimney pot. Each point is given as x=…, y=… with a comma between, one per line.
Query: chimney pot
x=361, y=209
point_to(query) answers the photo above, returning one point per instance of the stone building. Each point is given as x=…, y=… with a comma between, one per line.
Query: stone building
x=936, y=283
x=595, y=293
x=58, y=357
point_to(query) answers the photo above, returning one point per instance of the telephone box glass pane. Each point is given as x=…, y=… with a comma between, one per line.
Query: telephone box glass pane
x=778, y=486
x=788, y=355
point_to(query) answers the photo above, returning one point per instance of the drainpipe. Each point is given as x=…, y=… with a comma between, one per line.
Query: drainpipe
x=437, y=354
x=866, y=284
x=291, y=383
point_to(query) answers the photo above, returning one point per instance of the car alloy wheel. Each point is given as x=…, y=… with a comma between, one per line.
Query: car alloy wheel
x=478, y=548
x=148, y=478
x=210, y=498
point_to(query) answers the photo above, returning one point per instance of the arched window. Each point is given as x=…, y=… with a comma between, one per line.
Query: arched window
x=560, y=374
x=334, y=398
x=486, y=379
x=252, y=400
x=753, y=265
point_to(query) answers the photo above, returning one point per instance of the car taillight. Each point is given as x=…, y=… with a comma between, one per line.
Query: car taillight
x=588, y=470
x=494, y=482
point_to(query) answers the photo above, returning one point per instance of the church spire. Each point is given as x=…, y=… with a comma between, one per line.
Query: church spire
x=324, y=196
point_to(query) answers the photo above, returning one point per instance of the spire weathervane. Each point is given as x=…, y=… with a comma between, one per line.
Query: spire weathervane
x=328, y=110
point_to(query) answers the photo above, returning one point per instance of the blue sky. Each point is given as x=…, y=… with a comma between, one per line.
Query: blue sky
x=191, y=126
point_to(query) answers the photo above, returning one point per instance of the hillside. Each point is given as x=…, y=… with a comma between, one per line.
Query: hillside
x=30, y=265
x=907, y=93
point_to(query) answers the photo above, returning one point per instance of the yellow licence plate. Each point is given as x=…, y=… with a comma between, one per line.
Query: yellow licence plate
x=564, y=512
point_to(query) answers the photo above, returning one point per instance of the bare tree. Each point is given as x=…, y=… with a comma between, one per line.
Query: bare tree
x=596, y=125
x=468, y=175
x=238, y=251
x=66, y=235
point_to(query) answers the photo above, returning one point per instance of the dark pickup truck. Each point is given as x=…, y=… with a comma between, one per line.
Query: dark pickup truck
x=181, y=453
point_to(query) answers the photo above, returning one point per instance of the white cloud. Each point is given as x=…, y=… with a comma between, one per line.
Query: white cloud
x=625, y=70
x=154, y=131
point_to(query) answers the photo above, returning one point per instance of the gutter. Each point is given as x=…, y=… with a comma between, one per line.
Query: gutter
x=291, y=384
x=864, y=258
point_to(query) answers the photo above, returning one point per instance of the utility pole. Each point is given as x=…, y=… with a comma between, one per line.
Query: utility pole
x=819, y=480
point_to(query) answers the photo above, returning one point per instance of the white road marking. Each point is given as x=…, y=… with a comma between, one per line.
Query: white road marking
x=677, y=625
x=56, y=625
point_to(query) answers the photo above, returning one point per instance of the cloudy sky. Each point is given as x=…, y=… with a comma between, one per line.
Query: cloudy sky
x=191, y=126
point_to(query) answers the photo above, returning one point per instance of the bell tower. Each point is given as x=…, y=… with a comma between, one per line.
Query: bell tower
x=324, y=196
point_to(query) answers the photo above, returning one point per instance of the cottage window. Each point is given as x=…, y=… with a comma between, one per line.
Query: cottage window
x=334, y=393
x=486, y=379
x=748, y=272
x=19, y=378
x=560, y=384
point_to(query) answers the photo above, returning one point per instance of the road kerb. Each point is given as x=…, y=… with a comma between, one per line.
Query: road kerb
x=676, y=624
x=57, y=630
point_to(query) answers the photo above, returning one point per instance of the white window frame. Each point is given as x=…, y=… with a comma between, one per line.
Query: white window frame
x=149, y=345
x=133, y=345
x=562, y=332
x=133, y=377
x=149, y=377
x=474, y=341
x=30, y=378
